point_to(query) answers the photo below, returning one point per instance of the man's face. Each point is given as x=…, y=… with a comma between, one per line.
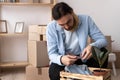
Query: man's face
x=66, y=22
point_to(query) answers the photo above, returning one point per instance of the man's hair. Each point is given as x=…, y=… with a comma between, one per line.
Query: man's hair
x=61, y=9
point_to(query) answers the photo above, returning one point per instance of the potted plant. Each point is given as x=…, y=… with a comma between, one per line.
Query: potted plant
x=100, y=57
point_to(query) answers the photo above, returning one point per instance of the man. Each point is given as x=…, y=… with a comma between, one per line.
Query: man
x=67, y=37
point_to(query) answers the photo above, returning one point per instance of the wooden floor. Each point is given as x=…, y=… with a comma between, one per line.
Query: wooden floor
x=19, y=74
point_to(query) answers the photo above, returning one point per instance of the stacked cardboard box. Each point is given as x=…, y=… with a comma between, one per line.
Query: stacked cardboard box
x=35, y=31
x=33, y=73
x=37, y=46
x=37, y=54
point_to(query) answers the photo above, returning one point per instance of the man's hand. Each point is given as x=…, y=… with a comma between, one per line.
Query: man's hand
x=68, y=59
x=86, y=54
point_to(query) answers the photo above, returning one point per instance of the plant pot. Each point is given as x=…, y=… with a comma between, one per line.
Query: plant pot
x=98, y=72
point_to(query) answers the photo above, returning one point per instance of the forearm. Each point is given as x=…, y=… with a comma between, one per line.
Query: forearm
x=99, y=43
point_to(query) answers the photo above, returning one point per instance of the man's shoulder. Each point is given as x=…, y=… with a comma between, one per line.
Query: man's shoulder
x=53, y=26
x=52, y=23
x=83, y=16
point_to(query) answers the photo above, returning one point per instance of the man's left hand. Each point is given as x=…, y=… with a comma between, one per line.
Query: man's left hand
x=86, y=54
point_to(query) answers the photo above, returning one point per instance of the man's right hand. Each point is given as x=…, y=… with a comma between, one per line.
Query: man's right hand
x=68, y=59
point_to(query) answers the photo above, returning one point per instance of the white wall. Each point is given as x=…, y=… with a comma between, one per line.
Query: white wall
x=104, y=12
x=14, y=47
x=27, y=14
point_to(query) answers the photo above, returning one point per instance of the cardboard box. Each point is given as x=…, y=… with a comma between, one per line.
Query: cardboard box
x=44, y=37
x=67, y=76
x=40, y=29
x=33, y=73
x=36, y=31
x=109, y=47
x=36, y=37
x=37, y=53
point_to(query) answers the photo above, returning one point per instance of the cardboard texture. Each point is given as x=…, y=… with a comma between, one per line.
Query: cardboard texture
x=33, y=73
x=36, y=37
x=41, y=29
x=36, y=31
x=37, y=53
x=109, y=47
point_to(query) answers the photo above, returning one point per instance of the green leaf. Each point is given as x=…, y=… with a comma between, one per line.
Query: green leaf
x=99, y=56
x=94, y=54
x=104, y=58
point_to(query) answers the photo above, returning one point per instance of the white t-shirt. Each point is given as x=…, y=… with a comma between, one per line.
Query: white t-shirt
x=71, y=43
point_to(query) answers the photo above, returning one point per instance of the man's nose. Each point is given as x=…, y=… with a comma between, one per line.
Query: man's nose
x=66, y=27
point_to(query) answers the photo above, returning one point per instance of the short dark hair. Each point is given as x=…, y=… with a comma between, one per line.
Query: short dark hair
x=60, y=10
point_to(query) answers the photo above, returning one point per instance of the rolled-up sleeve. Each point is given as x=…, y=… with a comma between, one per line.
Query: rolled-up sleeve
x=95, y=33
